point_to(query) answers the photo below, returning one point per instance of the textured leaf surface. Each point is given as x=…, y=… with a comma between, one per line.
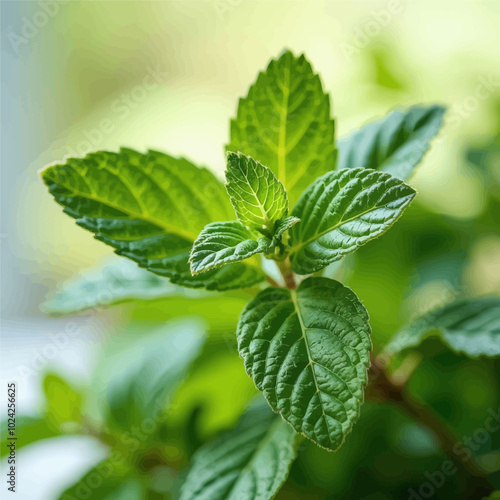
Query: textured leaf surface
x=225, y=242
x=250, y=462
x=282, y=226
x=469, y=326
x=308, y=351
x=341, y=211
x=150, y=208
x=395, y=144
x=258, y=198
x=117, y=280
x=284, y=122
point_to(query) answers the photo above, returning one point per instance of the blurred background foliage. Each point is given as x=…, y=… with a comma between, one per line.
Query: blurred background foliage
x=85, y=65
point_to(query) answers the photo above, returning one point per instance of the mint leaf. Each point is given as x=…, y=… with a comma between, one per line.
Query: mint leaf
x=470, y=327
x=308, y=351
x=341, y=211
x=251, y=462
x=150, y=208
x=225, y=242
x=282, y=226
x=395, y=144
x=114, y=282
x=285, y=123
x=115, y=482
x=258, y=198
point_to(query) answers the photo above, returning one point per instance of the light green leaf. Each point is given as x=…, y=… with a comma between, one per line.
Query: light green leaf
x=495, y=495
x=113, y=282
x=342, y=211
x=285, y=123
x=470, y=327
x=308, y=351
x=150, y=208
x=251, y=462
x=395, y=144
x=142, y=370
x=64, y=404
x=28, y=430
x=221, y=243
x=258, y=198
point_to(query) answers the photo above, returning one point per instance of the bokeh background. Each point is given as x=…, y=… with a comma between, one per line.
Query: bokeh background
x=68, y=65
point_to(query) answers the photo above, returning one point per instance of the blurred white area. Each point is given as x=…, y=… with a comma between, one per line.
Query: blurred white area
x=47, y=468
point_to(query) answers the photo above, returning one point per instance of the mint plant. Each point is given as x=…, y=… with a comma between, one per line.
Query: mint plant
x=294, y=201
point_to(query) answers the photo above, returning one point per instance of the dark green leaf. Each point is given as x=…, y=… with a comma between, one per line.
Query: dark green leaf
x=471, y=327
x=251, y=462
x=221, y=243
x=150, y=208
x=282, y=226
x=258, y=198
x=308, y=351
x=285, y=123
x=395, y=144
x=341, y=211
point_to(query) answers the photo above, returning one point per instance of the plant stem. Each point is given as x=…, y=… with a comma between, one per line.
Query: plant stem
x=285, y=268
x=383, y=388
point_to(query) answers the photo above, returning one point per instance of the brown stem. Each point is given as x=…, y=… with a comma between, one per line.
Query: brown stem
x=383, y=388
x=285, y=268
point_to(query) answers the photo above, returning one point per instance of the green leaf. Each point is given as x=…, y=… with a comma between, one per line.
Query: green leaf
x=64, y=404
x=149, y=208
x=251, y=462
x=115, y=281
x=342, y=211
x=29, y=430
x=308, y=351
x=470, y=327
x=221, y=243
x=142, y=371
x=108, y=480
x=258, y=198
x=395, y=144
x=282, y=226
x=495, y=495
x=285, y=123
